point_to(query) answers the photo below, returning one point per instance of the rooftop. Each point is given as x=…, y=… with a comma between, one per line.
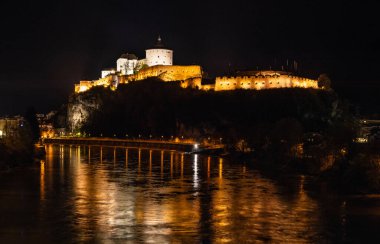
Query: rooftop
x=159, y=44
x=129, y=56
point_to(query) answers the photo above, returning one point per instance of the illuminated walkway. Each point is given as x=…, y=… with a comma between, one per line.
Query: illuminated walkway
x=186, y=146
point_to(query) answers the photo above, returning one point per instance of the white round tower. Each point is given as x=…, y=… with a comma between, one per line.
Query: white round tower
x=159, y=55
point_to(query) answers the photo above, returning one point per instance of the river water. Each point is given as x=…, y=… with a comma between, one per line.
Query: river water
x=107, y=195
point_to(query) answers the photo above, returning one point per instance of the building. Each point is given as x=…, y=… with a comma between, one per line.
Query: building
x=9, y=126
x=369, y=131
x=158, y=62
x=258, y=80
x=159, y=54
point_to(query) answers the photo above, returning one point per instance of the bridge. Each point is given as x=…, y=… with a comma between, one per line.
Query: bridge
x=184, y=146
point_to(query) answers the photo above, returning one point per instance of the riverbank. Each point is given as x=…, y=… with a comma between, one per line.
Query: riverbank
x=356, y=172
x=11, y=158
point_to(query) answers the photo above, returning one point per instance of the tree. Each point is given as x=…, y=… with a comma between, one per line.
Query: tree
x=324, y=81
x=31, y=118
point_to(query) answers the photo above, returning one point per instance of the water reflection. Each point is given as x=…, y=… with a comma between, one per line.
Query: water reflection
x=42, y=180
x=106, y=194
x=195, y=170
x=145, y=204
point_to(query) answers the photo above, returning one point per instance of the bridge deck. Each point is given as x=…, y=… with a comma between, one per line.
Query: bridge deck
x=154, y=144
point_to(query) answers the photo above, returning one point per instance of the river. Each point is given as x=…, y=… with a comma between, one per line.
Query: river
x=93, y=194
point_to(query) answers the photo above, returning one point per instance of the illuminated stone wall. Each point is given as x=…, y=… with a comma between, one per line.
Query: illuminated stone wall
x=191, y=76
x=84, y=85
x=159, y=57
x=126, y=66
x=107, y=72
x=168, y=73
x=192, y=83
x=209, y=87
x=263, y=82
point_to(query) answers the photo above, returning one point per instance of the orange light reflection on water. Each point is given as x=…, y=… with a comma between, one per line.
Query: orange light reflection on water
x=109, y=202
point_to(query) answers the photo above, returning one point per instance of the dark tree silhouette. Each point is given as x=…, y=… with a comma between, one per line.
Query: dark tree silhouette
x=31, y=118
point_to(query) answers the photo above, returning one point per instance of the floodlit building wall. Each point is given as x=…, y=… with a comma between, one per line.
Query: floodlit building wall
x=192, y=83
x=208, y=87
x=107, y=72
x=83, y=86
x=159, y=57
x=263, y=82
x=190, y=76
x=126, y=66
x=168, y=73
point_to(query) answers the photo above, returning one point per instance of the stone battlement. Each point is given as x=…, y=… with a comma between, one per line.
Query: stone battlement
x=258, y=82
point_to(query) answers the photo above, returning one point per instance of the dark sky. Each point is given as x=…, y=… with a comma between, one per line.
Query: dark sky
x=46, y=47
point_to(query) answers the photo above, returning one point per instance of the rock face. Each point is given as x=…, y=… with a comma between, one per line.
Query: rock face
x=80, y=108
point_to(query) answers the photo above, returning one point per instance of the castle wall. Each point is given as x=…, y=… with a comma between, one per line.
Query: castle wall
x=126, y=66
x=262, y=82
x=192, y=83
x=83, y=86
x=108, y=72
x=168, y=73
x=209, y=87
x=159, y=57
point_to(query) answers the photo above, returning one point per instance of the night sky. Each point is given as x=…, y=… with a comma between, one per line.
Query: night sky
x=46, y=47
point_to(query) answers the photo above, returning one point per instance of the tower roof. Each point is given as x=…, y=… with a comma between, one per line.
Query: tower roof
x=159, y=44
x=129, y=56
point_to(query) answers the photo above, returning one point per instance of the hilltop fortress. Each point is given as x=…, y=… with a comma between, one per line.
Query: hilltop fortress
x=159, y=63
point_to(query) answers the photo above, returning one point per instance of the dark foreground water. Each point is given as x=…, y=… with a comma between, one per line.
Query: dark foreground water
x=141, y=196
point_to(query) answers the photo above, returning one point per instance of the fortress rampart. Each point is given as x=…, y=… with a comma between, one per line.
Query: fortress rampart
x=190, y=76
x=168, y=73
x=159, y=63
x=258, y=82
